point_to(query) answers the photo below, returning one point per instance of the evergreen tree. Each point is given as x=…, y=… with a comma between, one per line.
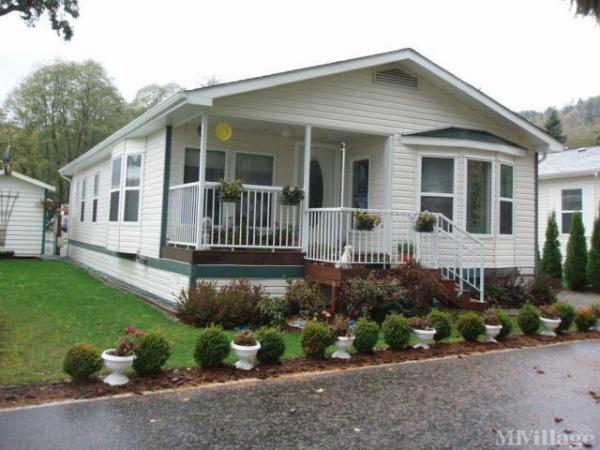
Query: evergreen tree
x=554, y=125
x=575, y=265
x=593, y=266
x=551, y=264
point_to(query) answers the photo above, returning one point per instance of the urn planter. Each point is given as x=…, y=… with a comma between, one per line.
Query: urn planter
x=549, y=326
x=245, y=355
x=491, y=331
x=342, y=344
x=117, y=366
x=424, y=337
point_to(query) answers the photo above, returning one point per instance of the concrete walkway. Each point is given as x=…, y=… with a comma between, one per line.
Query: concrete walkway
x=579, y=299
x=452, y=403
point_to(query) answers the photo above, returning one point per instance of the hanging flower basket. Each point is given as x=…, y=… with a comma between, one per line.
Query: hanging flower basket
x=292, y=195
x=365, y=221
x=230, y=191
x=425, y=222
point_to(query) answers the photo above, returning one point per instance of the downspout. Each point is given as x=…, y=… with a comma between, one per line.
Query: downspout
x=44, y=222
x=537, y=255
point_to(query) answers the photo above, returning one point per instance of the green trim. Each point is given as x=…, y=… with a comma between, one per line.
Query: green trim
x=166, y=176
x=232, y=271
x=44, y=222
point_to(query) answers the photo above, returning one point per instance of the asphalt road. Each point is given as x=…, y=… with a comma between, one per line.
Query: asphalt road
x=460, y=403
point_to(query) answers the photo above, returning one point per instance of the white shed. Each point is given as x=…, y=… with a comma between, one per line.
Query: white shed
x=22, y=214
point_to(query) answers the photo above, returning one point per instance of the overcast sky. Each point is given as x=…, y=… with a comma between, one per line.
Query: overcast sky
x=527, y=54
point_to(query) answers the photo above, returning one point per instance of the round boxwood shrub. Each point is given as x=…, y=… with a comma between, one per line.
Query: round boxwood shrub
x=316, y=337
x=585, y=319
x=82, y=361
x=366, y=334
x=529, y=319
x=212, y=347
x=470, y=326
x=151, y=354
x=505, y=321
x=442, y=322
x=396, y=331
x=272, y=345
x=567, y=315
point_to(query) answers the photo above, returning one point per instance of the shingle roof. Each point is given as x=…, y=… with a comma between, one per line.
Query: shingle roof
x=571, y=163
x=464, y=133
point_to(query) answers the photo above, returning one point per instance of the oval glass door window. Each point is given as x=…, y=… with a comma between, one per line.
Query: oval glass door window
x=316, y=185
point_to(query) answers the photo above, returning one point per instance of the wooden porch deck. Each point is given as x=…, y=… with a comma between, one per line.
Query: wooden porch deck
x=254, y=257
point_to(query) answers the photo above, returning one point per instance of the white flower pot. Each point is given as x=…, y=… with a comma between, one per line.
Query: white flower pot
x=117, y=365
x=549, y=326
x=491, y=331
x=424, y=337
x=342, y=344
x=245, y=354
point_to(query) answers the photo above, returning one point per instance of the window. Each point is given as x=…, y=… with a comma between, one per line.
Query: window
x=437, y=186
x=115, y=189
x=215, y=165
x=479, y=195
x=83, y=184
x=360, y=183
x=571, y=201
x=133, y=176
x=254, y=169
x=95, y=200
x=506, y=199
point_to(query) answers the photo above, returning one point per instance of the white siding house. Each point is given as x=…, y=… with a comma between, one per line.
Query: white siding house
x=22, y=214
x=392, y=134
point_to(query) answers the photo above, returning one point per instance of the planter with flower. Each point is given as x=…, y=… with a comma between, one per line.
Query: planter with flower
x=292, y=196
x=246, y=347
x=344, y=337
x=231, y=191
x=425, y=222
x=365, y=221
x=120, y=359
x=423, y=331
x=493, y=326
x=550, y=317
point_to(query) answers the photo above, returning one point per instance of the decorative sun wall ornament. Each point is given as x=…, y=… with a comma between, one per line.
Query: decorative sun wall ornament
x=223, y=131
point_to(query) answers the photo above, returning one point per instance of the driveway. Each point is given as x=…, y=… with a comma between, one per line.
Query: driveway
x=460, y=403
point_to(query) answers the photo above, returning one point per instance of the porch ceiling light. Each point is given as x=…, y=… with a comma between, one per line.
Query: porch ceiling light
x=223, y=131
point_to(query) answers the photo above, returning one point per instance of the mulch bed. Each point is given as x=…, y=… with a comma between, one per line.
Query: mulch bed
x=36, y=393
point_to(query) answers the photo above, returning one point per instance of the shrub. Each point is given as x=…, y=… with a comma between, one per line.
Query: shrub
x=212, y=347
x=396, y=331
x=82, y=361
x=529, y=319
x=505, y=321
x=272, y=345
x=315, y=339
x=304, y=295
x=576, y=262
x=366, y=334
x=442, y=322
x=245, y=338
x=593, y=263
x=470, y=326
x=421, y=287
x=513, y=291
x=199, y=306
x=372, y=297
x=273, y=310
x=585, y=319
x=566, y=313
x=551, y=263
x=152, y=352
x=542, y=290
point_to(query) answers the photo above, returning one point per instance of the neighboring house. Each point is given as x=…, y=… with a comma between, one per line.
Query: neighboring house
x=415, y=137
x=23, y=218
x=569, y=183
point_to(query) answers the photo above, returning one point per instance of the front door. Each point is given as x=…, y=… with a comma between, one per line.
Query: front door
x=322, y=177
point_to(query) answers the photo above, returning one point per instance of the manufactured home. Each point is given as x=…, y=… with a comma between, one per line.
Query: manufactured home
x=390, y=134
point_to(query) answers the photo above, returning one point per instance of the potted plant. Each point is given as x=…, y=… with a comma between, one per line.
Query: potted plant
x=493, y=326
x=407, y=250
x=120, y=359
x=344, y=337
x=425, y=222
x=230, y=191
x=245, y=347
x=292, y=196
x=423, y=331
x=550, y=317
x=365, y=221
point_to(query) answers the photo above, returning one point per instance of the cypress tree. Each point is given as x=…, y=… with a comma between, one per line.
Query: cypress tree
x=551, y=264
x=593, y=266
x=576, y=262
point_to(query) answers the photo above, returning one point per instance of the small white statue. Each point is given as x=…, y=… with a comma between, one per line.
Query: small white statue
x=345, y=261
x=207, y=225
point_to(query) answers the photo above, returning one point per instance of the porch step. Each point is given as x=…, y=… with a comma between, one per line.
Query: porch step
x=464, y=301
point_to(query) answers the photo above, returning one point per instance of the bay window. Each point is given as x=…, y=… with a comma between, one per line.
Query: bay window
x=571, y=203
x=95, y=198
x=479, y=196
x=82, y=189
x=115, y=189
x=133, y=175
x=506, y=199
x=437, y=185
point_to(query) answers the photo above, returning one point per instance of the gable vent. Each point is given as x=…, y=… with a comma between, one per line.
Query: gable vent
x=395, y=77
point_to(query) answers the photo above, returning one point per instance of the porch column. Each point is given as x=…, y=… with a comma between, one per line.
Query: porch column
x=201, y=181
x=388, y=156
x=306, y=185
